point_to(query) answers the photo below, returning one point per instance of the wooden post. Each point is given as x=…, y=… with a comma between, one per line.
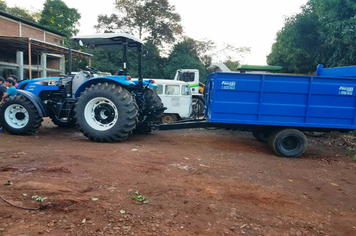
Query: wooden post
x=29, y=60
x=38, y=69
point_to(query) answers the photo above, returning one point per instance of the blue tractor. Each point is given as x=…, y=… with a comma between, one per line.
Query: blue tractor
x=106, y=108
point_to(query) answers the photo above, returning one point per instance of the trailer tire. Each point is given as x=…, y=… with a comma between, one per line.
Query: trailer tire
x=169, y=118
x=19, y=116
x=262, y=135
x=288, y=143
x=197, y=107
x=106, y=113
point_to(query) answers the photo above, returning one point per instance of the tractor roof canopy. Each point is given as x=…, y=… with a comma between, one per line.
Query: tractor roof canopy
x=108, y=40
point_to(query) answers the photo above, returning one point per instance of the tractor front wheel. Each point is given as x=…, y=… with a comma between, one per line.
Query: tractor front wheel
x=20, y=116
x=106, y=113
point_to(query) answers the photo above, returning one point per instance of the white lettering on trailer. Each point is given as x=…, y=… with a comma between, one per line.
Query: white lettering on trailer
x=228, y=85
x=344, y=90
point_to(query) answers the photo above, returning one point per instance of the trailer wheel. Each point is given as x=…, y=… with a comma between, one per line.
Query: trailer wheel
x=288, y=143
x=106, y=113
x=169, y=118
x=198, y=106
x=19, y=116
x=262, y=135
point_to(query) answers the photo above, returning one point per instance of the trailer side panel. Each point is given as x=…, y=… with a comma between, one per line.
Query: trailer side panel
x=281, y=100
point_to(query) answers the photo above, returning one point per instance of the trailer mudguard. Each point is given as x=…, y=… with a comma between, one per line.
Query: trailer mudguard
x=37, y=101
x=119, y=80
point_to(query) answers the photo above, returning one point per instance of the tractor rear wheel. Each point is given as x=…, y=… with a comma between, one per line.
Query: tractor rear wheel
x=154, y=108
x=18, y=115
x=106, y=113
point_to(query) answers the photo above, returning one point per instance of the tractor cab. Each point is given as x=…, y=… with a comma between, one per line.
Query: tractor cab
x=115, y=41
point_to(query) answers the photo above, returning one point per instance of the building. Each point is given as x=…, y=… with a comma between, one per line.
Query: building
x=29, y=50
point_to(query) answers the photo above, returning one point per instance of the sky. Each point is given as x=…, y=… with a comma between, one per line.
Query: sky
x=249, y=23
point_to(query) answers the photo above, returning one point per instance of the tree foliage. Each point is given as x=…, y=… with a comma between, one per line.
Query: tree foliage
x=323, y=33
x=18, y=12
x=185, y=55
x=152, y=20
x=3, y=5
x=232, y=65
x=56, y=15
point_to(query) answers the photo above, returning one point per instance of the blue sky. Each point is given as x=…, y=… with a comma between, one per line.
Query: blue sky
x=252, y=23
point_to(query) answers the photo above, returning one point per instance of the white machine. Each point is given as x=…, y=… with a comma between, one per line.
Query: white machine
x=177, y=97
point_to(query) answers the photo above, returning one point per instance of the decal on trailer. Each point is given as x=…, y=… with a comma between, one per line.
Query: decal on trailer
x=228, y=85
x=343, y=90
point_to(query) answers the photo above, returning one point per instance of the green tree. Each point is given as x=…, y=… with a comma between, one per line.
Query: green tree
x=185, y=55
x=22, y=13
x=3, y=5
x=297, y=44
x=232, y=65
x=153, y=20
x=337, y=20
x=153, y=63
x=56, y=15
x=323, y=33
x=19, y=12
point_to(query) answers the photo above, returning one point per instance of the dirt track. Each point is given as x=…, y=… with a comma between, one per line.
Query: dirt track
x=197, y=182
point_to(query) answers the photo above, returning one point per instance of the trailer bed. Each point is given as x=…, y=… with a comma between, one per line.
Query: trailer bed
x=281, y=100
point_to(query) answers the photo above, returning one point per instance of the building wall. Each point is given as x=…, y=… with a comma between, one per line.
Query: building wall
x=31, y=32
x=51, y=38
x=53, y=63
x=9, y=27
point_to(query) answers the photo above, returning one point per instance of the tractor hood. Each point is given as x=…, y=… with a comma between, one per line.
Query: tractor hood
x=109, y=40
x=43, y=81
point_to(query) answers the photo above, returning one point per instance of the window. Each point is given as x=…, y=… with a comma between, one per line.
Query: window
x=159, y=89
x=172, y=89
x=188, y=76
x=185, y=90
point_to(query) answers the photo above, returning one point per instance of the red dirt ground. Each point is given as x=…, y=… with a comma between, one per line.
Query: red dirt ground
x=197, y=182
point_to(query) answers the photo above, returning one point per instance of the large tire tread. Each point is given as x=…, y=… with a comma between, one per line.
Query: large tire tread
x=276, y=144
x=127, y=109
x=35, y=119
x=154, y=102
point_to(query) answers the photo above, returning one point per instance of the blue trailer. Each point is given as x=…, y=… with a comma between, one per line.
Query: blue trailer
x=278, y=108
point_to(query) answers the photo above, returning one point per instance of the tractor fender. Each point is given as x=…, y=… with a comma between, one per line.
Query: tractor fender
x=37, y=101
x=114, y=80
x=150, y=83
